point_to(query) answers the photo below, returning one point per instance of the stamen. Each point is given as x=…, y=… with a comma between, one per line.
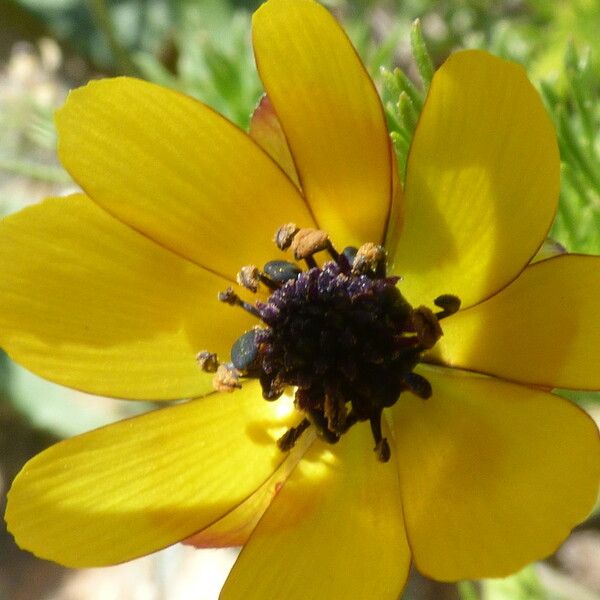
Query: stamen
x=227, y=378
x=426, y=326
x=311, y=263
x=370, y=259
x=244, y=351
x=228, y=296
x=281, y=271
x=319, y=422
x=449, y=305
x=249, y=277
x=332, y=251
x=272, y=388
x=285, y=234
x=335, y=413
x=307, y=242
x=349, y=253
x=382, y=448
x=341, y=335
x=207, y=361
x=418, y=385
x=288, y=440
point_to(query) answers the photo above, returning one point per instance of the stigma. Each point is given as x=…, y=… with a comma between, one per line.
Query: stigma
x=339, y=333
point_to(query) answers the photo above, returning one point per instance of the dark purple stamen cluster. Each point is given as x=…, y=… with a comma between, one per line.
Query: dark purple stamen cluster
x=334, y=334
x=342, y=335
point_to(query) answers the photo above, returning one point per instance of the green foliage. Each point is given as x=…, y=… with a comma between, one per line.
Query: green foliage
x=214, y=61
x=96, y=28
x=403, y=100
x=577, y=119
x=524, y=585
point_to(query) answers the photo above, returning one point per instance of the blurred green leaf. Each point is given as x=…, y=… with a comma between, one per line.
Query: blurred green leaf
x=62, y=411
x=524, y=585
x=139, y=25
x=569, y=99
x=421, y=54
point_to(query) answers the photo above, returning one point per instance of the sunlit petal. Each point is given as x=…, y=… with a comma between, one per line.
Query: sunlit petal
x=134, y=487
x=494, y=475
x=482, y=182
x=90, y=303
x=235, y=527
x=177, y=171
x=331, y=115
x=335, y=530
x=544, y=328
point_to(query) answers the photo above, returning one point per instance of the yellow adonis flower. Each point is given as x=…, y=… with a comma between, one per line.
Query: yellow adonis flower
x=477, y=469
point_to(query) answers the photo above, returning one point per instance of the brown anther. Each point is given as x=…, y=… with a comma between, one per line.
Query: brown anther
x=309, y=241
x=249, y=277
x=418, y=385
x=288, y=440
x=226, y=379
x=272, y=389
x=426, y=326
x=370, y=259
x=382, y=450
x=335, y=413
x=285, y=234
x=229, y=297
x=449, y=305
x=207, y=361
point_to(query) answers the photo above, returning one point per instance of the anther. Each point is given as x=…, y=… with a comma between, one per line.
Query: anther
x=249, y=277
x=272, y=388
x=227, y=378
x=319, y=422
x=309, y=241
x=340, y=337
x=244, y=351
x=285, y=234
x=382, y=448
x=335, y=413
x=426, y=326
x=449, y=305
x=349, y=253
x=288, y=440
x=228, y=296
x=207, y=361
x=370, y=259
x=281, y=270
x=418, y=385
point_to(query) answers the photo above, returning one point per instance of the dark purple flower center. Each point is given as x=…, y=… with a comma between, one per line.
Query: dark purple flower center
x=341, y=334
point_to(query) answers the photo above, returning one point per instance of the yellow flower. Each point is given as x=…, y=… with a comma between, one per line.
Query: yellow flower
x=114, y=291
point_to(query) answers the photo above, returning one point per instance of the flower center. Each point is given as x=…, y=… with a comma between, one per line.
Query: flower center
x=341, y=334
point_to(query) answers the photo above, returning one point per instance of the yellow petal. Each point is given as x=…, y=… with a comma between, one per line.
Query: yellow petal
x=134, y=487
x=482, y=182
x=331, y=115
x=176, y=171
x=266, y=131
x=544, y=328
x=235, y=527
x=494, y=475
x=90, y=303
x=335, y=530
